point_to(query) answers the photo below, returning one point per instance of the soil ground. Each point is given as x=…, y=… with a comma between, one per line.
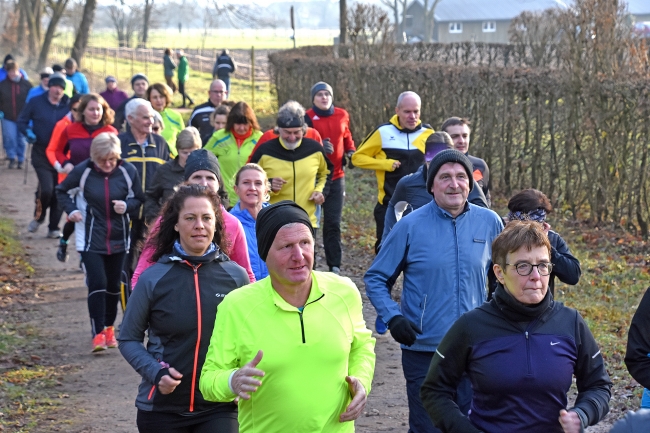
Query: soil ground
x=97, y=391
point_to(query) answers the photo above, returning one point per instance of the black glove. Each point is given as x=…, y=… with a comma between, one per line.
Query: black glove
x=328, y=147
x=403, y=330
x=349, y=157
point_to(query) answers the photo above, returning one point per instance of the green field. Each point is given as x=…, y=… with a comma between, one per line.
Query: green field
x=214, y=39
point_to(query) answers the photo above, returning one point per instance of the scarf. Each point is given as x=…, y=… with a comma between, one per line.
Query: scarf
x=517, y=311
x=323, y=113
x=178, y=249
x=241, y=138
x=538, y=215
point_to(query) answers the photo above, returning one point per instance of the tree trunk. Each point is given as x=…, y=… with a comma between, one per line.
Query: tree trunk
x=33, y=25
x=148, y=8
x=57, y=12
x=343, y=22
x=83, y=33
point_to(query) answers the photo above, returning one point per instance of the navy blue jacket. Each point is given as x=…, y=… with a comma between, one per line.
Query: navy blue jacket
x=44, y=116
x=520, y=373
x=412, y=191
x=102, y=230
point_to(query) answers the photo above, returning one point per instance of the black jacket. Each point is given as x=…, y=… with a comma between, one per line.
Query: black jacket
x=565, y=266
x=102, y=230
x=637, y=355
x=12, y=97
x=223, y=67
x=200, y=119
x=167, y=177
x=520, y=372
x=176, y=302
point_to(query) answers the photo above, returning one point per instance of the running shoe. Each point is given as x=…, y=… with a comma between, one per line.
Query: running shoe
x=99, y=342
x=54, y=234
x=109, y=335
x=335, y=270
x=33, y=226
x=62, y=251
x=380, y=326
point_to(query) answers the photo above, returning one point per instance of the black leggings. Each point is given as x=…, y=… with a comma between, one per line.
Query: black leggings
x=68, y=229
x=103, y=280
x=48, y=178
x=157, y=422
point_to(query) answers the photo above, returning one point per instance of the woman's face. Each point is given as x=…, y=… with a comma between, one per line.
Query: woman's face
x=183, y=154
x=529, y=289
x=241, y=128
x=252, y=187
x=195, y=226
x=108, y=163
x=158, y=100
x=219, y=121
x=93, y=113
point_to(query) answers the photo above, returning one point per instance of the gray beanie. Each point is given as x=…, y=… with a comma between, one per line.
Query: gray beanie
x=139, y=76
x=57, y=79
x=449, y=155
x=321, y=85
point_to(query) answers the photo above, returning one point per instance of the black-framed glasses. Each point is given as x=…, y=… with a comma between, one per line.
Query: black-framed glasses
x=525, y=269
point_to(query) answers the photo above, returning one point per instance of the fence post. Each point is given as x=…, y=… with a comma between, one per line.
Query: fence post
x=117, y=53
x=105, y=60
x=146, y=61
x=253, y=77
x=132, y=62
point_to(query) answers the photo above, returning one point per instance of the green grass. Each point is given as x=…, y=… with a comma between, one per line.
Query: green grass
x=216, y=38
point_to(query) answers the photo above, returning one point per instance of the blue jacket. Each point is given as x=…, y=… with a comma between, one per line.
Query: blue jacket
x=445, y=261
x=80, y=83
x=257, y=264
x=3, y=73
x=44, y=116
x=411, y=191
x=35, y=91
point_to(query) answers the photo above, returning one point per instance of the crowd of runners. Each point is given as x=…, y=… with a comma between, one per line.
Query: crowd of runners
x=205, y=232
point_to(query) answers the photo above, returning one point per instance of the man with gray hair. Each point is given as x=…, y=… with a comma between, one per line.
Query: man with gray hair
x=146, y=151
x=393, y=150
x=296, y=166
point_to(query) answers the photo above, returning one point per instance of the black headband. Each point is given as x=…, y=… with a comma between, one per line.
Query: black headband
x=294, y=122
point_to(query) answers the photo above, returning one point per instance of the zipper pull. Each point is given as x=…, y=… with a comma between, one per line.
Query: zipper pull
x=526, y=335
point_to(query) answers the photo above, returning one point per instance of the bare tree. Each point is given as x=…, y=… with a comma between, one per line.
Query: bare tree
x=125, y=19
x=239, y=15
x=370, y=31
x=429, y=15
x=146, y=25
x=31, y=14
x=83, y=32
x=55, y=8
x=398, y=9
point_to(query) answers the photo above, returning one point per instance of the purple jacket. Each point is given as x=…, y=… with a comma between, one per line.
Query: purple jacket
x=114, y=97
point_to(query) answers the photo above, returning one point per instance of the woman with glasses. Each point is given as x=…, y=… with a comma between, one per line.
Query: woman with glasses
x=520, y=351
x=71, y=144
x=160, y=96
x=533, y=205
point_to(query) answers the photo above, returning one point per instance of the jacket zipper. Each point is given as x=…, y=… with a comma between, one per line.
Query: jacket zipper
x=528, y=354
x=293, y=164
x=457, y=267
x=300, y=313
x=197, y=291
x=108, y=216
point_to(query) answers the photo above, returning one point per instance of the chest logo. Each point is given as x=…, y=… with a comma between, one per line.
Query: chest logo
x=553, y=344
x=220, y=295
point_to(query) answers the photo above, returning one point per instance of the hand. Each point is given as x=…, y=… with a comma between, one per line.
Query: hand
x=31, y=137
x=317, y=197
x=2, y=115
x=68, y=168
x=328, y=146
x=359, y=399
x=277, y=183
x=570, y=421
x=403, y=330
x=119, y=206
x=396, y=165
x=243, y=381
x=168, y=383
x=75, y=217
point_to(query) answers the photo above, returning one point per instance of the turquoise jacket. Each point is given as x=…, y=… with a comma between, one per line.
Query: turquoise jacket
x=259, y=267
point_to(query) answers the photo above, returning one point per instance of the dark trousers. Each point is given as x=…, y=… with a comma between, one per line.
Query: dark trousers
x=227, y=81
x=48, y=178
x=416, y=365
x=170, y=83
x=68, y=229
x=164, y=422
x=181, y=90
x=380, y=216
x=103, y=281
x=332, y=210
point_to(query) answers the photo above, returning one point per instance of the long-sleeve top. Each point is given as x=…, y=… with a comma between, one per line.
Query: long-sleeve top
x=102, y=230
x=44, y=115
x=167, y=177
x=173, y=122
x=308, y=353
x=35, y=91
x=73, y=144
x=183, y=70
x=169, y=65
x=248, y=223
x=235, y=237
x=52, y=151
x=13, y=97
x=336, y=127
x=223, y=67
x=637, y=355
x=114, y=98
x=80, y=82
x=175, y=303
x=520, y=372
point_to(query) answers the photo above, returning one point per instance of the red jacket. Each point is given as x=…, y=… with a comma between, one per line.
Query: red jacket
x=77, y=139
x=337, y=128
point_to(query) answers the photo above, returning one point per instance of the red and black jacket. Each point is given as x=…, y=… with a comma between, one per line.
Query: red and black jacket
x=12, y=97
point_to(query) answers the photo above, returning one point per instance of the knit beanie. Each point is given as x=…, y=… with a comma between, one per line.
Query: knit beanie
x=7, y=58
x=272, y=218
x=139, y=77
x=57, y=79
x=449, y=155
x=202, y=159
x=321, y=85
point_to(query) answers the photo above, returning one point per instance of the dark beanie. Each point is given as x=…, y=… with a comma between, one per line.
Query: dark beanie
x=202, y=159
x=321, y=85
x=57, y=79
x=139, y=77
x=7, y=58
x=272, y=218
x=449, y=155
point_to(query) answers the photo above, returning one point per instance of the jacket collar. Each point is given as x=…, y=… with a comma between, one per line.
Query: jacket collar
x=446, y=214
x=315, y=294
x=395, y=121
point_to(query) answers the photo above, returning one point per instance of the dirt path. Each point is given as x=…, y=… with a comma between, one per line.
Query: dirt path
x=102, y=387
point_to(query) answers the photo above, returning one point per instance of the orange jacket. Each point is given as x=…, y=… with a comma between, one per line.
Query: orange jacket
x=52, y=147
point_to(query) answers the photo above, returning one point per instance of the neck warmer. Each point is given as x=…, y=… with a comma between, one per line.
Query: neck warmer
x=323, y=113
x=178, y=249
x=241, y=138
x=517, y=311
x=92, y=128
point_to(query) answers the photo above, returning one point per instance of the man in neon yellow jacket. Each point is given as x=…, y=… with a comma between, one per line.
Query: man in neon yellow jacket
x=294, y=346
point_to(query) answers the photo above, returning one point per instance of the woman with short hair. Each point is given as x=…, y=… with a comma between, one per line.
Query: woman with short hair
x=234, y=144
x=160, y=96
x=175, y=303
x=520, y=351
x=108, y=194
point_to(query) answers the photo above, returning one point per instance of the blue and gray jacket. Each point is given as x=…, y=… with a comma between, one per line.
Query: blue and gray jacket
x=248, y=223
